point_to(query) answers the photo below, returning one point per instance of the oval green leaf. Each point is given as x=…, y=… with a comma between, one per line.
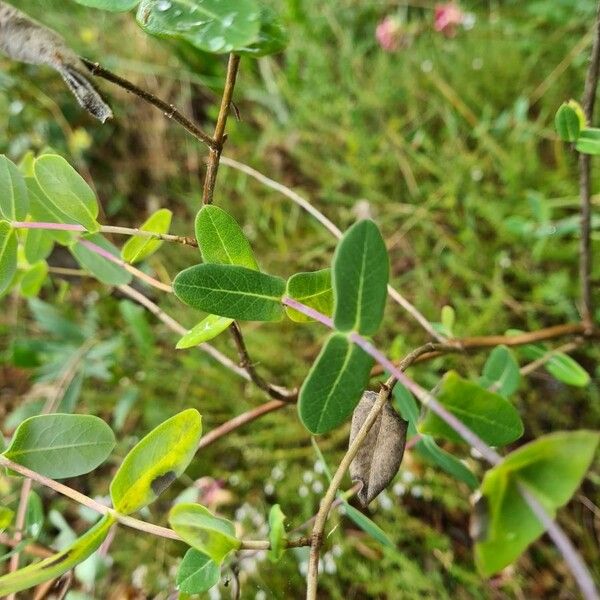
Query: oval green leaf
x=66, y=191
x=501, y=372
x=216, y=26
x=313, y=289
x=38, y=245
x=551, y=468
x=33, y=279
x=560, y=365
x=277, y=534
x=14, y=200
x=197, y=526
x=60, y=445
x=57, y=564
x=588, y=141
x=360, y=277
x=8, y=255
x=41, y=210
x=489, y=415
x=156, y=461
x=206, y=330
x=334, y=384
x=231, y=291
x=272, y=37
x=138, y=247
x=569, y=120
x=101, y=268
x=197, y=573
x=221, y=239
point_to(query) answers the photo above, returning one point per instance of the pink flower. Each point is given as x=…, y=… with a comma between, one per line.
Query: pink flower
x=447, y=17
x=389, y=34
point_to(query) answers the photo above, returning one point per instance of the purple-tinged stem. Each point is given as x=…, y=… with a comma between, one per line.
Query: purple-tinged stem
x=54, y=226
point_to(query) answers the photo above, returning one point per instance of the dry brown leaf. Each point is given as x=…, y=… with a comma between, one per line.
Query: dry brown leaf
x=379, y=457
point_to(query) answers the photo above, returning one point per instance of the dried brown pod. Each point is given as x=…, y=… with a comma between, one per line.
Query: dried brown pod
x=25, y=40
x=379, y=457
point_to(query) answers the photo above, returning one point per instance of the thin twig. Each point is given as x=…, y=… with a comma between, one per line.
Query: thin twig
x=540, y=362
x=240, y=421
x=585, y=249
x=166, y=237
x=168, y=109
x=219, y=137
x=333, y=229
x=274, y=391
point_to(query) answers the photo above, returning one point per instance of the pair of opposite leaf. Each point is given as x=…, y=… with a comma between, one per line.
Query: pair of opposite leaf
x=25, y=40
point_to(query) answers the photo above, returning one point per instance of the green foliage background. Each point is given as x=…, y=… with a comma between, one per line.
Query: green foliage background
x=449, y=144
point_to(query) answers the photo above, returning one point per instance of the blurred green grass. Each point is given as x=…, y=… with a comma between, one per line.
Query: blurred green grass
x=449, y=144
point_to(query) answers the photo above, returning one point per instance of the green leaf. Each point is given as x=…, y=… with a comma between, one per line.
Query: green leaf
x=551, y=468
x=8, y=255
x=277, y=534
x=588, y=141
x=41, y=210
x=57, y=564
x=367, y=525
x=231, y=291
x=60, y=445
x=197, y=526
x=427, y=447
x=560, y=365
x=156, y=461
x=429, y=450
x=501, y=372
x=216, y=26
x=34, y=516
x=112, y=5
x=138, y=247
x=101, y=268
x=360, y=277
x=6, y=517
x=66, y=190
x=14, y=200
x=38, y=245
x=197, y=573
x=272, y=37
x=489, y=415
x=222, y=240
x=206, y=330
x=569, y=121
x=313, y=289
x=334, y=384
x=33, y=279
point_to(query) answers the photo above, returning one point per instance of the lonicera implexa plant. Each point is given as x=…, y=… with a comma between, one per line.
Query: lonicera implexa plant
x=45, y=202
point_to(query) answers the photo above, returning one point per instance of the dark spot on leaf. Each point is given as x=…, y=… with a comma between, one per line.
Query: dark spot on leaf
x=162, y=482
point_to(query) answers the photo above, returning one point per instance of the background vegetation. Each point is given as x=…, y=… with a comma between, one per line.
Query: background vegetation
x=449, y=144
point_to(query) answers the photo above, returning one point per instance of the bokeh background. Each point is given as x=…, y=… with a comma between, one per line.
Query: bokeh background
x=445, y=137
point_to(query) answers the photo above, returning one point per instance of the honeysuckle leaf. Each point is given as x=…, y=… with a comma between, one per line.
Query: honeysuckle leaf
x=197, y=526
x=277, y=534
x=14, y=200
x=197, y=573
x=551, y=469
x=360, y=276
x=221, y=239
x=334, y=384
x=61, y=445
x=489, y=415
x=112, y=5
x=66, y=191
x=33, y=279
x=216, y=26
x=156, y=461
x=8, y=255
x=231, y=291
x=501, y=372
x=38, y=245
x=138, y=248
x=101, y=268
x=209, y=328
x=57, y=564
x=312, y=289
